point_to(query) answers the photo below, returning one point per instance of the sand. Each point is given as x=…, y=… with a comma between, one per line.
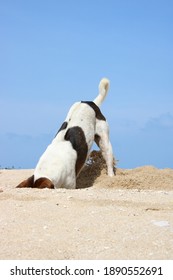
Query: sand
x=129, y=216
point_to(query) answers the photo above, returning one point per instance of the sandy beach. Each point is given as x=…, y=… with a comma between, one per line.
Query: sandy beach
x=129, y=216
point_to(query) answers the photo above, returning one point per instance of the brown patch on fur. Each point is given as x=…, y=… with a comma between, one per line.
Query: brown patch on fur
x=97, y=139
x=77, y=138
x=63, y=126
x=28, y=183
x=98, y=113
x=42, y=183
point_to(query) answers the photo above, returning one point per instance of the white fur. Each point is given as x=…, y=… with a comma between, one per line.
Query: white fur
x=57, y=164
x=58, y=161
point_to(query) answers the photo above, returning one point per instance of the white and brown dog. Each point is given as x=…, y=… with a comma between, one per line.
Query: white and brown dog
x=64, y=158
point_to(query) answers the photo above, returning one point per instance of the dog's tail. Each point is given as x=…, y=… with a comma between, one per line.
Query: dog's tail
x=103, y=89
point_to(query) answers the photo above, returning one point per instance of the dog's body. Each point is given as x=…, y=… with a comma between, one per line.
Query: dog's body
x=64, y=158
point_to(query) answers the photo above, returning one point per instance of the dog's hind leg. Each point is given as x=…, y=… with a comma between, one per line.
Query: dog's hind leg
x=103, y=142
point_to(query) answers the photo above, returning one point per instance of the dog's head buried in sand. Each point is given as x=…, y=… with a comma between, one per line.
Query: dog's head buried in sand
x=61, y=163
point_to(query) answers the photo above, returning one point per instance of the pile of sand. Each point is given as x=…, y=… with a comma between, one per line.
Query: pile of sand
x=145, y=177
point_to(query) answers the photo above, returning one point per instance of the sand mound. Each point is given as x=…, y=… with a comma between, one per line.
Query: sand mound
x=146, y=177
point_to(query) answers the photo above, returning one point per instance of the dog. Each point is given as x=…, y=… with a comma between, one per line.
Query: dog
x=65, y=157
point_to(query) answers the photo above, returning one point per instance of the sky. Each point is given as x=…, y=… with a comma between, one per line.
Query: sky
x=54, y=53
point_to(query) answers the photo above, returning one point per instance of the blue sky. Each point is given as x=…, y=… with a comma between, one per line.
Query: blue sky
x=53, y=53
